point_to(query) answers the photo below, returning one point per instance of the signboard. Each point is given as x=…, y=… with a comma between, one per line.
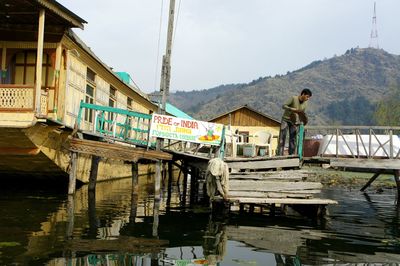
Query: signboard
x=169, y=127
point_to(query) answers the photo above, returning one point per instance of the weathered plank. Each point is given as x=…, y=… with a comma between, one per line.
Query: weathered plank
x=272, y=186
x=313, y=201
x=260, y=194
x=247, y=159
x=115, y=151
x=266, y=178
x=265, y=164
x=385, y=164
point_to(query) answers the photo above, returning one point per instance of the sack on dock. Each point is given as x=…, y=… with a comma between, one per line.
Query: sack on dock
x=217, y=178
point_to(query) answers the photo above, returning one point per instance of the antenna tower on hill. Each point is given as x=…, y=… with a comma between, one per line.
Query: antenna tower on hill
x=373, y=42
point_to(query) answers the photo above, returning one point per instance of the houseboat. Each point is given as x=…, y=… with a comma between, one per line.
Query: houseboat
x=46, y=71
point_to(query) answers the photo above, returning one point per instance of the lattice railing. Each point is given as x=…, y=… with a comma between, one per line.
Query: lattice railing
x=16, y=97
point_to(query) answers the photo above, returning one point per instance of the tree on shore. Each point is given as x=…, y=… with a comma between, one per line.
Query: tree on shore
x=387, y=112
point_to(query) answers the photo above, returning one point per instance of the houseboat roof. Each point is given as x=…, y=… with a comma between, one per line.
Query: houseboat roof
x=74, y=37
x=21, y=12
x=245, y=107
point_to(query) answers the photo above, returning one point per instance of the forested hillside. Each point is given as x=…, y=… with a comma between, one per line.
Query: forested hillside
x=346, y=89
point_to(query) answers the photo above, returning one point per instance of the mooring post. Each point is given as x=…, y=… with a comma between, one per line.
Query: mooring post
x=72, y=173
x=372, y=179
x=94, y=169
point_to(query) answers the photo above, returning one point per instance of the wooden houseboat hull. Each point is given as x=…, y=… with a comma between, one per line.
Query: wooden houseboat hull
x=38, y=151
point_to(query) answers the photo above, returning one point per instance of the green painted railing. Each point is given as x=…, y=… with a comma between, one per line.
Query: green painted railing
x=121, y=124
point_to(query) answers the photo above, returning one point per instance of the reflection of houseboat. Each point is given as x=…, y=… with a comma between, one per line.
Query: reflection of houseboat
x=46, y=70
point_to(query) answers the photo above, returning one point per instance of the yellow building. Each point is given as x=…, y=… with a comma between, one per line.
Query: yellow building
x=247, y=122
x=46, y=70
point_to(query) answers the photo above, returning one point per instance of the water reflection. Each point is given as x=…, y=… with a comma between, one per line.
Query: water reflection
x=117, y=225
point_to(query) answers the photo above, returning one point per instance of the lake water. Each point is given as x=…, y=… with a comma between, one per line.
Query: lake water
x=43, y=226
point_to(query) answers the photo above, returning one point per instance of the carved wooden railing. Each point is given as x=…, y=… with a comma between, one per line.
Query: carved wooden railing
x=17, y=97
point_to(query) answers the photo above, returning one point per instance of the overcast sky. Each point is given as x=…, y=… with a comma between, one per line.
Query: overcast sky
x=229, y=41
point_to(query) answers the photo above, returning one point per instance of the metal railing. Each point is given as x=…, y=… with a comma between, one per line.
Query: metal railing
x=357, y=141
x=115, y=123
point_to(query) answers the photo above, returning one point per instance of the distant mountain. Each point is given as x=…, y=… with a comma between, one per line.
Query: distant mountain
x=345, y=89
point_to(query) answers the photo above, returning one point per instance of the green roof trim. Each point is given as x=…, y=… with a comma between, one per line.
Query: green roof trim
x=176, y=112
x=125, y=77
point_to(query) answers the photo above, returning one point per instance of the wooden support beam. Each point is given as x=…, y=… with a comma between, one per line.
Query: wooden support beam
x=39, y=60
x=397, y=179
x=372, y=179
x=72, y=173
x=93, y=172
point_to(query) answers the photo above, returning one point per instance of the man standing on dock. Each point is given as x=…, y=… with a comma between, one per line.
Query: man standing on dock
x=293, y=115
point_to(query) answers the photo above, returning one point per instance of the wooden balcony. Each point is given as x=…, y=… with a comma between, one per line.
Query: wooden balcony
x=17, y=98
x=17, y=105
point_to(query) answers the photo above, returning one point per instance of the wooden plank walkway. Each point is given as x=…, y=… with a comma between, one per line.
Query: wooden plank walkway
x=255, y=181
x=275, y=187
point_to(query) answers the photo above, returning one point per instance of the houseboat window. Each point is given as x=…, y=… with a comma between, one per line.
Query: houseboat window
x=90, y=76
x=113, y=97
x=112, y=103
x=129, y=103
x=23, y=68
x=89, y=98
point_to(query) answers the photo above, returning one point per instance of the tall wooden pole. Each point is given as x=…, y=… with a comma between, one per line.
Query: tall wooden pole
x=166, y=64
x=164, y=89
x=39, y=60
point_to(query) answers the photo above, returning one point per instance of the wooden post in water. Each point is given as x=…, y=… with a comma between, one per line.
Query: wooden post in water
x=169, y=188
x=70, y=216
x=134, y=193
x=92, y=214
x=156, y=211
x=72, y=173
x=94, y=168
x=193, y=182
x=185, y=179
x=135, y=178
x=157, y=180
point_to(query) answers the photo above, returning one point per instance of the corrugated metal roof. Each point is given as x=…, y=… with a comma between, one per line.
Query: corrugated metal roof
x=176, y=112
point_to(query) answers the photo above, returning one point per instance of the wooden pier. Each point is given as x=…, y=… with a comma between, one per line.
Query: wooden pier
x=271, y=182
